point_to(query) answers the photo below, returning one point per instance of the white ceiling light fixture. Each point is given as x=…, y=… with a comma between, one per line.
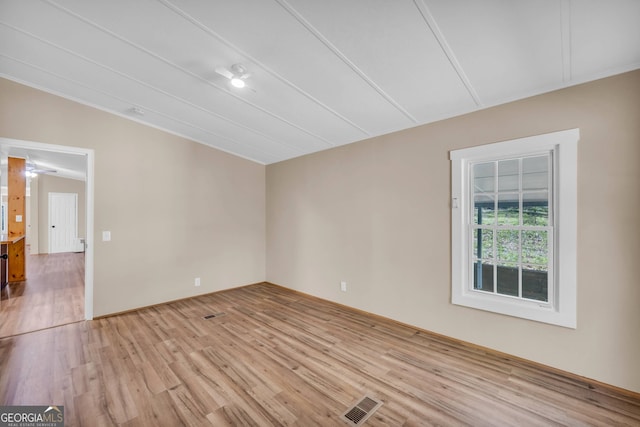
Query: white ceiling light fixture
x=236, y=74
x=238, y=82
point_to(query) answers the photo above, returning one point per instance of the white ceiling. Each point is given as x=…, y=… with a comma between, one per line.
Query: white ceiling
x=324, y=72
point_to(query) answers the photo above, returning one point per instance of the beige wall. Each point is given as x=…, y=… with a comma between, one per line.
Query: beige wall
x=376, y=214
x=53, y=184
x=176, y=209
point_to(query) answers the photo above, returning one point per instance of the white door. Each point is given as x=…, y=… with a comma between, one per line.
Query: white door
x=63, y=222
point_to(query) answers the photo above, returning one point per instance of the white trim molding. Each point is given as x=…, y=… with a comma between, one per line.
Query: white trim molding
x=561, y=307
x=6, y=143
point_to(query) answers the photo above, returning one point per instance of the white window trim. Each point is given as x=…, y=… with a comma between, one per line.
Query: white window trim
x=563, y=308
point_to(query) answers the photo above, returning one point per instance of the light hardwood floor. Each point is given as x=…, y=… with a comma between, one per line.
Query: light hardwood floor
x=52, y=295
x=277, y=357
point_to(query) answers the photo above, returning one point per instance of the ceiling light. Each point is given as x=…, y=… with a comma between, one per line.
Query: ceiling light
x=237, y=82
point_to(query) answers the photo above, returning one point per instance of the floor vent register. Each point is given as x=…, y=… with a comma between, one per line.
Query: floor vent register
x=358, y=414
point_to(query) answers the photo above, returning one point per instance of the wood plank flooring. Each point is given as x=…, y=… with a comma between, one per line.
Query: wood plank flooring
x=277, y=357
x=52, y=295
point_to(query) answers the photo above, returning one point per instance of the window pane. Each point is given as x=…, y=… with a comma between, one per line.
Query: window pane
x=507, y=279
x=483, y=177
x=484, y=271
x=535, y=249
x=508, y=175
x=535, y=208
x=508, y=242
x=535, y=173
x=535, y=283
x=485, y=249
x=484, y=210
x=508, y=209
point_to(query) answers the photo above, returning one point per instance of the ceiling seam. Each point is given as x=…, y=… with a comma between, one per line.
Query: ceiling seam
x=142, y=49
x=125, y=101
x=317, y=34
x=442, y=41
x=251, y=58
x=565, y=37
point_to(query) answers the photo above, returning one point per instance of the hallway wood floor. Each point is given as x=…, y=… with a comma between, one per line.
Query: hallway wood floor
x=52, y=295
x=276, y=357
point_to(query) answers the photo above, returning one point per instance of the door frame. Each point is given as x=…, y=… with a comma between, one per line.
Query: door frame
x=89, y=201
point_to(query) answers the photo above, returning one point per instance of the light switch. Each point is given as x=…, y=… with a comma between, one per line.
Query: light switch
x=106, y=236
x=18, y=218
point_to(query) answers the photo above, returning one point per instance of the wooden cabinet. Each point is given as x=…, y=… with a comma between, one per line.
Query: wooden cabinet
x=13, y=265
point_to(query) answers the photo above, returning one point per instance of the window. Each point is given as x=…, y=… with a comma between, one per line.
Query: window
x=514, y=227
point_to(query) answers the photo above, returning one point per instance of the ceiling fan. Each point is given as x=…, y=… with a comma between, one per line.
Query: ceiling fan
x=236, y=74
x=32, y=170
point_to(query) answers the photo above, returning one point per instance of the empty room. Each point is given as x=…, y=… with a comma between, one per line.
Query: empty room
x=383, y=213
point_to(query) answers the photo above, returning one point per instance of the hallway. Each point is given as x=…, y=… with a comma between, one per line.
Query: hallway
x=53, y=295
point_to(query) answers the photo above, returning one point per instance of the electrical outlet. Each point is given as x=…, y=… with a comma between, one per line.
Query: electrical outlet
x=197, y=281
x=343, y=286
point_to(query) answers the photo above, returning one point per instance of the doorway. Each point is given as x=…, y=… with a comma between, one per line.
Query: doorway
x=63, y=250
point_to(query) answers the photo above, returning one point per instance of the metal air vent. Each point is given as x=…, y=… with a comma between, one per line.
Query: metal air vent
x=358, y=414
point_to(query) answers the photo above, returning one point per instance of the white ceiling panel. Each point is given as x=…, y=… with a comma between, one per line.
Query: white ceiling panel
x=85, y=74
x=507, y=48
x=273, y=35
x=135, y=68
x=416, y=74
x=323, y=73
x=195, y=63
x=604, y=33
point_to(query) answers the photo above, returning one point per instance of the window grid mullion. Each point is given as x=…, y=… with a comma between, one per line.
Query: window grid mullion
x=551, y=226
x=494, y=227
x=494, y=266
x=520, y=224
